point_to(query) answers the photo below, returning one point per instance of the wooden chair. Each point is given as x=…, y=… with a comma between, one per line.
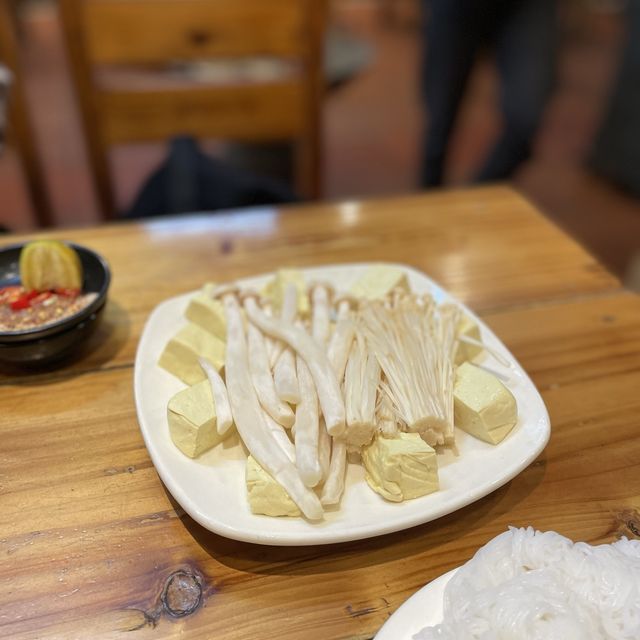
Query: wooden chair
x=401, y=14
x=152, y=33
x=19, y=130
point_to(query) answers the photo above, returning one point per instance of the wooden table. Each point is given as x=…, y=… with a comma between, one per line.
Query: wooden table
x=92, y=546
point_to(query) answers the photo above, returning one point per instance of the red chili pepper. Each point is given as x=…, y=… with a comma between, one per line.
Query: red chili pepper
x=24, y=301
x=69, y=293
x=20, y=303
x=10, y=293
x=41, y=297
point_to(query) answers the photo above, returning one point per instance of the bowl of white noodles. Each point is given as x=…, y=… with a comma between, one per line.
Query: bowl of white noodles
x=531, y=585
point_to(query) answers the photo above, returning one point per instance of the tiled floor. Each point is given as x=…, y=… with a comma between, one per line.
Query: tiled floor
x=372, y=131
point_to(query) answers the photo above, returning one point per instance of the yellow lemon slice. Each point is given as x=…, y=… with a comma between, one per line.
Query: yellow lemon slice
x=49, y=264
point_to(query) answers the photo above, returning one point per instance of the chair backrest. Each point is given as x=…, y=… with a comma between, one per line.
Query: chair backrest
x=157, y=33
x=18, y=124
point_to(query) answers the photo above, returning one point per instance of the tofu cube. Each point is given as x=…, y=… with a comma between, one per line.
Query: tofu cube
x=266, y=496
x=180, y=356
x=192, y=420
x=468, y=328
x=380, y=280
x=207, y=313
x=401, y=468
x=483, y=406
x=275, y=288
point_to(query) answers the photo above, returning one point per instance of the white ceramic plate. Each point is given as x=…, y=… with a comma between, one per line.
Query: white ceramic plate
x=211, y=489
x=423, y=609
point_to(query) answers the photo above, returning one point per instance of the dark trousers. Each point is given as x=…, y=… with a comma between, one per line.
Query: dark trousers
x=616, y=153
x=523, y=35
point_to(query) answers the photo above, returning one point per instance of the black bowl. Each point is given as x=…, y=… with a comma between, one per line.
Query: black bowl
x=58, y=339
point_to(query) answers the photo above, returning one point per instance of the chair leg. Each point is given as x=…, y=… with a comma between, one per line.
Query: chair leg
x=309, y=151
x=73, y=27
x=102, y=180
x=19, y=125
x=308, y=168
x=24, y=141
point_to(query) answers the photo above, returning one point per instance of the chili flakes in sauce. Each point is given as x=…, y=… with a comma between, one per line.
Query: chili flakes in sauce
x=21, y=309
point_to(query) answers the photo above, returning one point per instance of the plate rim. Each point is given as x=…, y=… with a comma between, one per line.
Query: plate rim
x=319, y=536
x=404, y=613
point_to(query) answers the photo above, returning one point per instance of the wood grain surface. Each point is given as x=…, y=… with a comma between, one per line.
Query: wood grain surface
x=250, y=112
x=192, y=29
x=92, y=546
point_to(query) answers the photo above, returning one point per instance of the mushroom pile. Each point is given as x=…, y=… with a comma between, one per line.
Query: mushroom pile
x=303, y=393
x=313, y=379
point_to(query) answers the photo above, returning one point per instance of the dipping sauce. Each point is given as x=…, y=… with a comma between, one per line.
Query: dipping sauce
x=21, y=309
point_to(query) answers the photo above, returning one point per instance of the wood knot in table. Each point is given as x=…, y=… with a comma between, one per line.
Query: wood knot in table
x=226, y=247
x=200, y=37
x=626, y=523
x=359, y=609
x=182, y=594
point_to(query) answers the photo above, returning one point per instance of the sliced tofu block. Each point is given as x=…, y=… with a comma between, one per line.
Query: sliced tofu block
x=275, y=288
x=467, y=328
x=401, y=468
x=265, y=495
x=192, y=420
x=380, y=280
x=483, y=406
x=180, y=356
x=207, y=313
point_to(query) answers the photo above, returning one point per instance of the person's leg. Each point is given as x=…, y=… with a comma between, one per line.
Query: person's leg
x=525, y=54
x=616, y=151
x=453, y=30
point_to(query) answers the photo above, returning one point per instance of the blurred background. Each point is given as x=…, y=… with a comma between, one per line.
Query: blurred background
x=357, y=77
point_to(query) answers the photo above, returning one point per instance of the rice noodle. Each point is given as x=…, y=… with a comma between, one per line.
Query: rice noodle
x=525, y=584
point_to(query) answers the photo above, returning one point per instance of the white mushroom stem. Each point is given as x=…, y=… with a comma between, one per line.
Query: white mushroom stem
x=280, y=436
x=269, y=343
x=334, y=485
x=249, y=417
x=315, y=358
x=286, y=378
x=397, y=295
x=324, y=449
x=321, y=314
x=321, y=330
x=414, y=344
x=284, y=371
x=361, y=381
x=341, y=339
x=306, y=428
x=224, y=418
x=263, y=380
x=288, y=313
x=386, y=422
x=335, y=466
